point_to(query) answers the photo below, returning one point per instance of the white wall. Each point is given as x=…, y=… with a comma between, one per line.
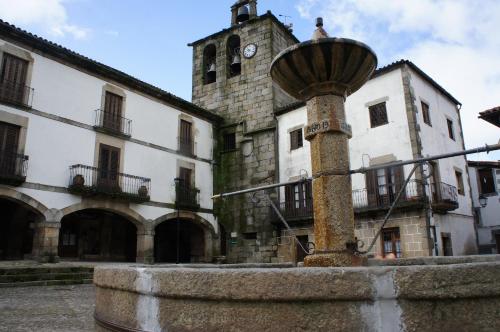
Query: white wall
x=53, y=146
x=489, y=215
x=435, y=138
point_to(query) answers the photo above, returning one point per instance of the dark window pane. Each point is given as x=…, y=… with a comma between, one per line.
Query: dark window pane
x=486, y=182
x=229, y=142
x=378, y=115
x=425, y=113
x=296, y=140
x=450, y=129
x=460, y=182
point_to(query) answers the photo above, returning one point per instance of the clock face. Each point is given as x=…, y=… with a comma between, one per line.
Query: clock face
x=249, y=51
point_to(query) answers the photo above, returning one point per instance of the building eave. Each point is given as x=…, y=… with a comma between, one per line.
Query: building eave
x=267, y=15
x=492, y=116
x=28, y=40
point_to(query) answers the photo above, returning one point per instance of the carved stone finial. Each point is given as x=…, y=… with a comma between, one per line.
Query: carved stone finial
x=319, y=32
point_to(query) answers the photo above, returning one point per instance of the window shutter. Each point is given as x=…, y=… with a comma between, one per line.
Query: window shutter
x=185, y=177
x=289, y=197
x=399, y=179
x=371, y=187
x=14, y=69
x=112, y=111
x=293, y=140
x=114, y=165
x=9, y=137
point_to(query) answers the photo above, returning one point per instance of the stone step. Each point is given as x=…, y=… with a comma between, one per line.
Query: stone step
x=41, y=270
x=44, y=276
x=45, y=283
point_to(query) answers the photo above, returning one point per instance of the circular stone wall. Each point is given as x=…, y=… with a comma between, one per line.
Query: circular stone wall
x=450, y=297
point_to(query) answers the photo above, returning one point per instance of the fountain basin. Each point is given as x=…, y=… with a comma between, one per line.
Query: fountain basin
x=449, y=296
x=323, y=66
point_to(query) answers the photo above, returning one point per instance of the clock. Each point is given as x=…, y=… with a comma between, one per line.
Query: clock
x=249, y=51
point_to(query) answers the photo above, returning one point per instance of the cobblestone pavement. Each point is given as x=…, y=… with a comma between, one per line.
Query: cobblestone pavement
x=44, y=309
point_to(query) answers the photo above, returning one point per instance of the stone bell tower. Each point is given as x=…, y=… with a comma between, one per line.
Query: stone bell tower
x=231, y=78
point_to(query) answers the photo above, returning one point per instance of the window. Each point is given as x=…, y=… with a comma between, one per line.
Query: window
x=378, y=115
x=109, y=167
x=296, y=139
x=391, y=242
x=383, y=185
x=185, y=138
x=486, y=181
x=425, y=113
x=460, y=182
x=209, y=64
x=13, y=80
x=233, y=56
x=185, y=177
x=229, y=142
x=451, y=133
x=112, y=116
x=298, y=197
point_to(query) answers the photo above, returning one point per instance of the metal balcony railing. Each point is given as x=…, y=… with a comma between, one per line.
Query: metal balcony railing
x=381, y=197
x=186, y=146
x=186, y=197
x=112, y=123
x=444, y=197
x=13, y=167
x=296, y=210
x=16, y=94
x=88, y=181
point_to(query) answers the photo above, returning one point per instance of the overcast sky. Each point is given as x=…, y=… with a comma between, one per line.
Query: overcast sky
x=456, y=42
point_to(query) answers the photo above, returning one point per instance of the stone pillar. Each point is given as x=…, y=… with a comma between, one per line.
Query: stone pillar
x=145, y=246
x=333, y=213
x=46, y=237
x=252, y=4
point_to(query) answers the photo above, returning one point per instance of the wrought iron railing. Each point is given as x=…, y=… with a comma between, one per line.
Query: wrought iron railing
x=13, y=167
x=381, y=197
x=296, y=209
x=186, y=146
x=15, y=93
x=186, y=196
x=444, y=196
x=112, y=122
x=88, y=180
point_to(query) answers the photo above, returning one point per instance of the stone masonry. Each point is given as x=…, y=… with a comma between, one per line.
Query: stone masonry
x=247, y=102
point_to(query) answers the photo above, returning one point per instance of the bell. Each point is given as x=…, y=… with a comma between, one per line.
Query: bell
x=236, y=64
x=242, y=14
x=211, y=69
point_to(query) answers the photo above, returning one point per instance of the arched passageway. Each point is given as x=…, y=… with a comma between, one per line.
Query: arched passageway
x=179, y=241
x=97, y=235
x=17, y=226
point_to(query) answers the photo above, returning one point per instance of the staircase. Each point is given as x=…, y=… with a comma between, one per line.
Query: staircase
x=45, y=276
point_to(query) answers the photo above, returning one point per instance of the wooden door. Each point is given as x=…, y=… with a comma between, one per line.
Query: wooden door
x=112, y=116
x=9, y=140
x=185, y=137
x=13, y=79
x=109, y=165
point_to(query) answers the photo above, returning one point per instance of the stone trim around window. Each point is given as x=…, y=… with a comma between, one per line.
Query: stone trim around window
x=20, y=121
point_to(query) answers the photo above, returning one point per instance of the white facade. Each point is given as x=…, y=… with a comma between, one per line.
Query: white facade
x=392, y=142
x=58, y=131
x=488, y=217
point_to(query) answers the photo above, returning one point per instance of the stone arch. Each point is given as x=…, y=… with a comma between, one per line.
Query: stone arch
x=23, y=199
x=209, y=59
x=120, y=209
x=209, y=234
x=200, y=221
x=233, y=45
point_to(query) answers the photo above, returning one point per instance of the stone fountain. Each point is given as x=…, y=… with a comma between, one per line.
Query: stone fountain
x=323, y=72
x=426, y=294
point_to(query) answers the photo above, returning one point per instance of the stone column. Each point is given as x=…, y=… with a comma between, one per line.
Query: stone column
x=145, y=246
x=333, y=213
x=46, y=237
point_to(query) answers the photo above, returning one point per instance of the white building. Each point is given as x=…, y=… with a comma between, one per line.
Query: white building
x=88, y=158
x=400, y=114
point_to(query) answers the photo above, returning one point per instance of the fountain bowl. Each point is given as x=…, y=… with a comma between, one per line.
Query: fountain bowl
x=324, y=66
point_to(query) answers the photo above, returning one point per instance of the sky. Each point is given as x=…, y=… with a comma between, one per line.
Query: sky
x=456, y=42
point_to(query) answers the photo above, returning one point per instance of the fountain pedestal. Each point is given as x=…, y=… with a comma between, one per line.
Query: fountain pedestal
x=328, y=134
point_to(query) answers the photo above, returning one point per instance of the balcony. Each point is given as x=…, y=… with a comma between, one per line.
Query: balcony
x=16, y=94
x=444, y=197
x=186, y=197
x=112, y=123
x=296, y=213
x=91, y=181
x=381, y=197
x=13, y=168
x=186, y=146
